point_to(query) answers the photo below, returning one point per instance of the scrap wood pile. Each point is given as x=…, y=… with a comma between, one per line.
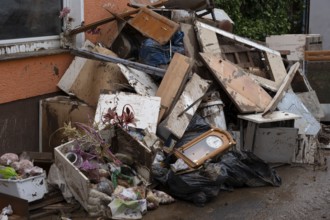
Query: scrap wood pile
x=179, y=101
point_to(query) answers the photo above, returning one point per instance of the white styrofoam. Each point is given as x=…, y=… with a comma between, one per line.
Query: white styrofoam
x=30, y=189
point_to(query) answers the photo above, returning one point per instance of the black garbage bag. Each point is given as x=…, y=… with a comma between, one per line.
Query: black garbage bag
x=197, y=126
x=234, y=169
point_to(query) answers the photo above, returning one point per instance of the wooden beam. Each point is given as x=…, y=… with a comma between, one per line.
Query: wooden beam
x=172, y=84
x=285, y=85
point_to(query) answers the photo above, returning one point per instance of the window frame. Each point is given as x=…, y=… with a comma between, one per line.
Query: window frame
x=23, y=46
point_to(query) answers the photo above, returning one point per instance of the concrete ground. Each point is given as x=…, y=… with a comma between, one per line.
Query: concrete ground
x=304, y=194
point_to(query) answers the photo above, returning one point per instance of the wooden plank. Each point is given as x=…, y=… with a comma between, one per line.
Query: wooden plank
x=285, y=85
x=194, y=90
x=97, y=77
x=142, y=82
x=277, y=68
x=154, y=25
x=190, y=42
x=208, y=40
x=145, y=109
x=246, y=94
x=323, y=55
x=236, y=38
x=73, y=71
x=272, y=117
x=277, y=73
x=172, y=84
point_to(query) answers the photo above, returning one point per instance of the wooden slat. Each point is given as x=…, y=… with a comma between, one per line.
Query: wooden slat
x=194, y=90
x=172, y=84
x=208, y=40
x=285, y=85
x=247, y=95
x=154, y=25
x=322, y=55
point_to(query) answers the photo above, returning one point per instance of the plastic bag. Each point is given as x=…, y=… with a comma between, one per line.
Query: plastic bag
x=234, y=169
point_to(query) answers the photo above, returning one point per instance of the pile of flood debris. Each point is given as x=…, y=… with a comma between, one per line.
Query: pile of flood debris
x=176, y=102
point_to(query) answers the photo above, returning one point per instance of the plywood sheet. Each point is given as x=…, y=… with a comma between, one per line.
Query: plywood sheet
x=89, y=78
x=247, y=95
x=142, y=83
x=194, y=90
x=172, y=84
x=145, y=109
x=208, y=40
x=154, y=25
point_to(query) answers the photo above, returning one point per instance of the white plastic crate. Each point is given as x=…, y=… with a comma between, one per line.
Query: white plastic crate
x=30, y=189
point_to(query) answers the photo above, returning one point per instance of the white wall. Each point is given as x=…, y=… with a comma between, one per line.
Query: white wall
x=319, y=20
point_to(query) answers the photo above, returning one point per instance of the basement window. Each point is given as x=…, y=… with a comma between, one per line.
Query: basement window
x=34, y=25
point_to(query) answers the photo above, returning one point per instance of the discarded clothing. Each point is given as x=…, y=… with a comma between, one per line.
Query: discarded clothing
x=154, y=54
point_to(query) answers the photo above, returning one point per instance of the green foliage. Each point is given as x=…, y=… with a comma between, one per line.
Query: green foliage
x=257, y=19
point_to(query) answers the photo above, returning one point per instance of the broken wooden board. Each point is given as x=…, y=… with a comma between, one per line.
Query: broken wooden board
x=73, y=71
x=236, y=38
x=208, y=40
x=246, y=94
x=307, y=124
x=194, y=90
x=277, y=72
x=125, y=144
x=172, y=84
x=86, y=79
x=275, y=145
x=145, y=109
x=190, y=42
x=284, y=86
x=312, y=103
x=272, y=117
x=322, y=55
x=142, y=83
x=56, y=111
x=154, y=25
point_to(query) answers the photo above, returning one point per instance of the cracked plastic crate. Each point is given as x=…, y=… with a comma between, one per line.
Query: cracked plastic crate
x=30, y=189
